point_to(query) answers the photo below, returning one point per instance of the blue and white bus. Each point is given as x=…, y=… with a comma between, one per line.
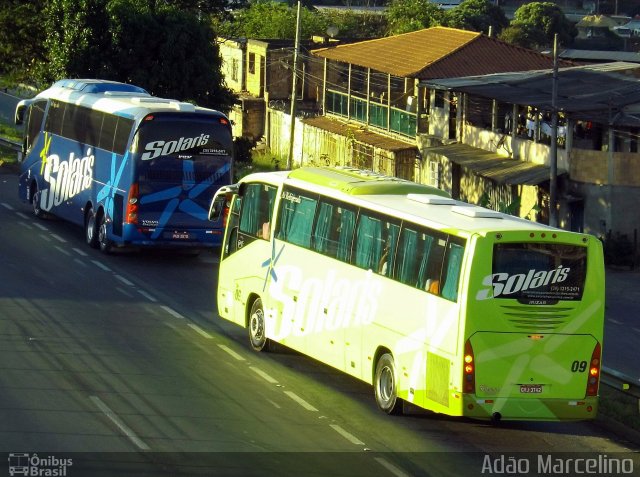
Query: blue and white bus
x=131, y=168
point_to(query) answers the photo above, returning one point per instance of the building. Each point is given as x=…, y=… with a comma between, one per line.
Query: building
x=472, y=115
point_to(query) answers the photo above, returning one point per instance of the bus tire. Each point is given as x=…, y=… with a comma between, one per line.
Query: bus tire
x=91, y=228
x=256, y=325
x=35, y=203
x=385, y=385
x=103, y=241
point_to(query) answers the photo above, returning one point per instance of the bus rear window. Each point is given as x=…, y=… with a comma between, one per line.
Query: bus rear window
x=540, y=273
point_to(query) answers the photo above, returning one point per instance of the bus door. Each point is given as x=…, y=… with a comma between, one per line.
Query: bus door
x=181, y=162
x=537, y=323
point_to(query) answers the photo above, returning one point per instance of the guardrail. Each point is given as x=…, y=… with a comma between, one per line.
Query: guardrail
x=621, y=382
x=16, y=146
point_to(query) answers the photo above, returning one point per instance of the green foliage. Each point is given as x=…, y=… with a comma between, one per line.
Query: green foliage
x=535, y=24
x=477, y=15
x=355, y=25
x=167, y=50
x=21, y=47
x=273, y=20
x=77, y=39
x=410, y=15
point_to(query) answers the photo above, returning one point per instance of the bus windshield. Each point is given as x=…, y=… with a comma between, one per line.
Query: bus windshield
x=539, y=271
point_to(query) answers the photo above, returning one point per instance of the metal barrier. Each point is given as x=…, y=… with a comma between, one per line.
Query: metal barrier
x=621, y=382
x=16, y=146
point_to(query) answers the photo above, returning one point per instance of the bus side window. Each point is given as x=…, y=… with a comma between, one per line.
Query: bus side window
x=451, y=269
x=375, y=244
x=297, y=214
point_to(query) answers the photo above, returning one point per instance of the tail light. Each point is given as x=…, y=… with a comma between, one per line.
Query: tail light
x=469, y=370
x=593, y=380
x=132, y=205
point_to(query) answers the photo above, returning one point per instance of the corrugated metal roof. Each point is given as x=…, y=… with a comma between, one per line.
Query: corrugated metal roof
x=438, y=52
x=359, y=134
x=592, y=92
x=493, y=166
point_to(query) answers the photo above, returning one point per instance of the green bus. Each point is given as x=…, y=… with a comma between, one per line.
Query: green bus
x=445, y=305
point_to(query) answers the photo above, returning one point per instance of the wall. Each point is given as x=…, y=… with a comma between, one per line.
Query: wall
x=231, y=50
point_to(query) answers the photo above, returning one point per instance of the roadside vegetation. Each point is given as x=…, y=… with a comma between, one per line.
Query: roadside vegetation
x=621, y=408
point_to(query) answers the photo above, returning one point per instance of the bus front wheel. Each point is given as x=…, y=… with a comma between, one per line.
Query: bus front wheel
x=257, y=335
x=385, y=385
x=35, y=202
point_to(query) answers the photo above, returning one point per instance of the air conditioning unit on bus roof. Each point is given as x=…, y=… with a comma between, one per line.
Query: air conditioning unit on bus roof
x=151, y=100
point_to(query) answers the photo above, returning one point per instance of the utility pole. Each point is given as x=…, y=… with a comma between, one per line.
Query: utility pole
x=294, y=87
x=553, y=160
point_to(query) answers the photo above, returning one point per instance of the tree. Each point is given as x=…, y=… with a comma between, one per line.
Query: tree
x=22, y=37
x=352, y=24
x=477, y=15
x=535, y=24
x=168, y=51
x=410, y=15
x=77, y=39
x=273, y=20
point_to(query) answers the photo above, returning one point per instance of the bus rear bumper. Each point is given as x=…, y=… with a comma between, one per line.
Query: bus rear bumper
x=530, y=409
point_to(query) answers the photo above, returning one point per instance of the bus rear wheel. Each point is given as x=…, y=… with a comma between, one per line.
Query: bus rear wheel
x=91, y=228
x=103, y=241
x=385, y=385
x=257, y=335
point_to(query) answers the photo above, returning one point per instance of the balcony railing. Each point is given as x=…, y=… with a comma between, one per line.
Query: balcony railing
x=380, y=114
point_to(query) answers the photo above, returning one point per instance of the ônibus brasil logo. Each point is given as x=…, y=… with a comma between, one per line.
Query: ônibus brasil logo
x=164, y=148
x=506, y=284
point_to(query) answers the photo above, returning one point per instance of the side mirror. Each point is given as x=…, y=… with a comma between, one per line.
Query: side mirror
x=20, y=110
x=221, y=201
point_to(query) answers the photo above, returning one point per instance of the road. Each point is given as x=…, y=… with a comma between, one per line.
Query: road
x=124, y=355
x=622, y=325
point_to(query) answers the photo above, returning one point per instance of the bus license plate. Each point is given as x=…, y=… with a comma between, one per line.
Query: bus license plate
x=180, y=236
x=531, y=388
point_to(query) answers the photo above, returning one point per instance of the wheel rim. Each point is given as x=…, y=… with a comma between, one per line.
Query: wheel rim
x=36, y=203
x=386, y=385
x=256, y=327
x=91, y=227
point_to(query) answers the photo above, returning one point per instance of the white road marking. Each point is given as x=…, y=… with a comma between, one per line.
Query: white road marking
x=275, y=404
x=124, y=280
x=101, y=265
x=172, y=312
x=46, y=238
x=23, y=216
x=231, y=352
x=119, y=424
x=200, y=331
x=347, y=435
x=58, y=238
x=615, y=322
x=263, y=375
x=80, y=262
x=40, y=226
x=80, y=252
x=147, y=296
x=124, y=292
x=62, y=250
x=390, y=467
x=6, y=206
x=300, y=401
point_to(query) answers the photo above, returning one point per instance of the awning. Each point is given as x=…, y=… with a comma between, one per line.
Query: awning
x=492, y=166
x=594, y=92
